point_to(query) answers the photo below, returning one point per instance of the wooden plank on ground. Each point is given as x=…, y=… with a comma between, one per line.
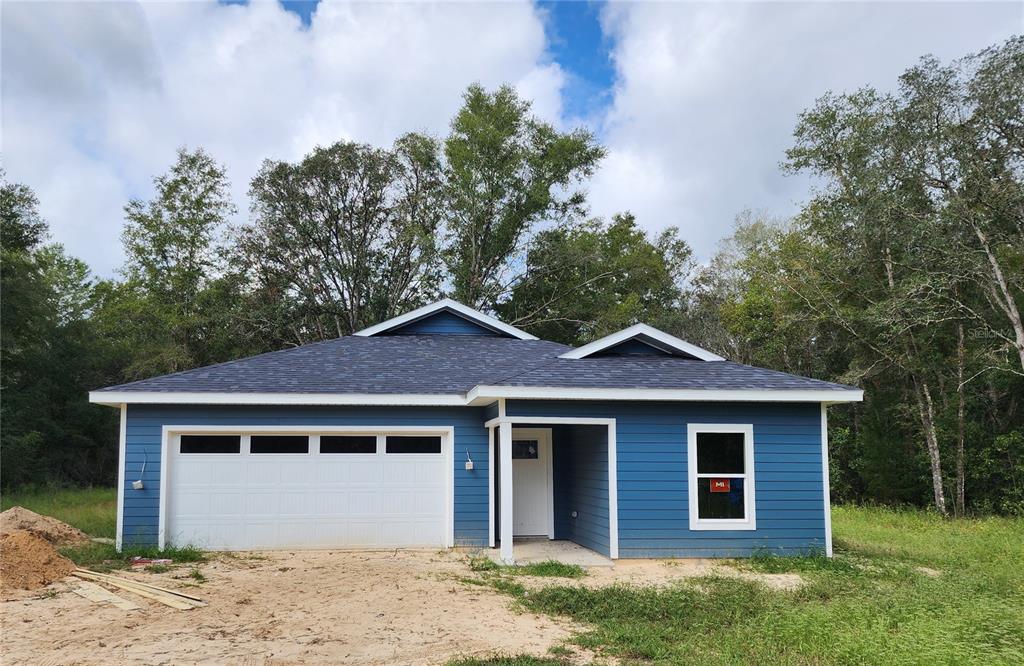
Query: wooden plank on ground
x=146, y=585
x=100, y=595
x=124, y=584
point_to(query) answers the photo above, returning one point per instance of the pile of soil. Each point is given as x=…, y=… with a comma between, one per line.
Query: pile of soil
x=56, y=532
x=28, y=561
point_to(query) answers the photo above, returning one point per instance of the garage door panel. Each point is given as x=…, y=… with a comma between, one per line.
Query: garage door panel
x=265, y=501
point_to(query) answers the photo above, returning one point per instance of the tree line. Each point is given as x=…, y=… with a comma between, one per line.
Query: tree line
x=902, y=274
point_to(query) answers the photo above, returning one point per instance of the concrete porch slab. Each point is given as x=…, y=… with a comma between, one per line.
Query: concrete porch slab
x=531, y=551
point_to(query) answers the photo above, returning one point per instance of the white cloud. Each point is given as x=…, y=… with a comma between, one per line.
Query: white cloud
x=708, y=95
x=97, y=97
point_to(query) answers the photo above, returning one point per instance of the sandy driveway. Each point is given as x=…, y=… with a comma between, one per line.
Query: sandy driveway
x=311, y=607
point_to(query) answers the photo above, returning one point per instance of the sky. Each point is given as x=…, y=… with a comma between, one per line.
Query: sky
x=695, y=102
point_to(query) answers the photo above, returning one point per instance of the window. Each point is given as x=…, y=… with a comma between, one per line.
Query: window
x=721, y=476
x=524, y=449
x=279, y=444
x=211, y=444
x=407, y=444
x=348, y=444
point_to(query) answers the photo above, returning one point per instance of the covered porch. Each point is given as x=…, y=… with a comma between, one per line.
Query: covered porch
x=552, y=489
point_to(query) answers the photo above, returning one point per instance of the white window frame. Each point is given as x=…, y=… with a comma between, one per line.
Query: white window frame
x=749, y=521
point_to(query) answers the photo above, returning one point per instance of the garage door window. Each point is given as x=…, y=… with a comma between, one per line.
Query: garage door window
x=211, y=444
x=406, y=444
x=279, y=444
x=348, y=444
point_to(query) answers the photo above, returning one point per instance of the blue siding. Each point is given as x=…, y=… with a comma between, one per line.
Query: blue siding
x=580, y=471
x=442, y=323
x=145, y=422
x=653, y=503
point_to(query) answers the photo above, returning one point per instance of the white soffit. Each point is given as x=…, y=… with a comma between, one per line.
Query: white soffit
x=453, y=306
x=643, y=331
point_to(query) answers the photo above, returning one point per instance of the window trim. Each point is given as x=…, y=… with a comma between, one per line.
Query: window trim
x=749, y=522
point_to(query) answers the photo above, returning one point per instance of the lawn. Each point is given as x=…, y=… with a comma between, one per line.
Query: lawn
x=905, y=587
x=92, y=510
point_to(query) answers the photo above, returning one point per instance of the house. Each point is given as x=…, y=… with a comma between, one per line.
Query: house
x=446, y=427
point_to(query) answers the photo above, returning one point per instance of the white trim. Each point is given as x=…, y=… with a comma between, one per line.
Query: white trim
x=224, y=398
x=544, y=440
x=454, y=306
x=825, y=480
x=669, y=341
x=749, y=522
x=490, y=487
x=122, y=447
x=613, y=480
x=486, y=394
x=613, y=494
x=505, y=506
x=447, y=434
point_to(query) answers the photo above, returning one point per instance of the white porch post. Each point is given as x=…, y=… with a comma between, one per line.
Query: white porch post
x=505, y=447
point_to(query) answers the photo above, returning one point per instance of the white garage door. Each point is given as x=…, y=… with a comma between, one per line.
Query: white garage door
x=265, y=490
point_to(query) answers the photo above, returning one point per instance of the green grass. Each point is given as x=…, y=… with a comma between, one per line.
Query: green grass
x=92, y=510
x=522, y=660
x=905, y=587
x=548, y=568
x=104, y=556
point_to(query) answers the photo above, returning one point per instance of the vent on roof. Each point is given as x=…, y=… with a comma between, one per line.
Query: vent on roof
x=445, y=317
x=641, y=339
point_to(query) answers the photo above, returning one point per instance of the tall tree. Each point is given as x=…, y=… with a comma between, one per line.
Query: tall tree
x=505, y=171
x=590, y=279
x=175, y=253
x=344, y=238
x=49, y=357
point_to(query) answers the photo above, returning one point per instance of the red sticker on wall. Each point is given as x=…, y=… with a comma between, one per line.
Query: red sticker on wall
x=719, y=485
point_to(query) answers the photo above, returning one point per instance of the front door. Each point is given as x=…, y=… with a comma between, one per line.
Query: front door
x=531, y=482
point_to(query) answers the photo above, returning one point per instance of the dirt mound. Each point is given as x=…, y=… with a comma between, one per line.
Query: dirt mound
x=51, y=529
x=28, y=561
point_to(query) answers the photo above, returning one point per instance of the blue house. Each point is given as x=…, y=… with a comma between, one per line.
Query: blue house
x=446, y=427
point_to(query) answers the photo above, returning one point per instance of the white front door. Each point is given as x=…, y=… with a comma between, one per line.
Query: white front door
x=531, y=482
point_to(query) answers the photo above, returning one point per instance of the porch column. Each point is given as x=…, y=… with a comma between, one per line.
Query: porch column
x=505, y=452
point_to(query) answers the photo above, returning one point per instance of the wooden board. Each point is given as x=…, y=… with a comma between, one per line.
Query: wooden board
x=178, y=593
x=140, y=589
x=99, y=595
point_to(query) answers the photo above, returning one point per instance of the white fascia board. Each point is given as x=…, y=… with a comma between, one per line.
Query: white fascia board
x=210, y=398
x=635, y=330
x=446, y=304
x=483, y=394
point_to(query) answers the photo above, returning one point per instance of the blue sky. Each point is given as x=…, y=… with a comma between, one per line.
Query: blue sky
x=695, y=102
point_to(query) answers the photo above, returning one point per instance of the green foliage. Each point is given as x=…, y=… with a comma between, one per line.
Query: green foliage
x=504, y=172
x=345, y=238
x=586, y=280
x=49, y=357
x=906, y=587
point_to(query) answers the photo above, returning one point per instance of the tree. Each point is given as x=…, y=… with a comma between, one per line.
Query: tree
x=344, y=238
x=49, y=357
x=590, y=279
x=175, y=254
x=505, y=171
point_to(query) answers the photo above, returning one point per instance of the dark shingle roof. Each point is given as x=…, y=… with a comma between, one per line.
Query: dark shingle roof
x=660, y=373
x=442, y=364
x=354, y=364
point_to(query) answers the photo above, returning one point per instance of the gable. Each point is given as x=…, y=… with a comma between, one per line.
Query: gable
x=445, y=317
x=642, y=340
x=443, y=322
x=639, y=346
